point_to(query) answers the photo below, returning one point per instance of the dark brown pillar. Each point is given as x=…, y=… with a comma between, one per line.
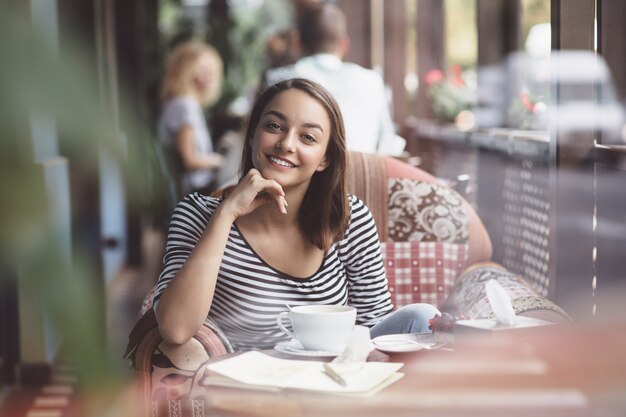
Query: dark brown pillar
x=611, y=43
x=359, y=31
x=499, y=24
x=394, y=68
x=430, y=48
x=572, y=174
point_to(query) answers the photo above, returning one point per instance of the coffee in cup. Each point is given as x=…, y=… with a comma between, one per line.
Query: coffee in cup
x=320, y=327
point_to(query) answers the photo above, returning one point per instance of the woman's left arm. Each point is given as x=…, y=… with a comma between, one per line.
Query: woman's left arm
x=368, y=290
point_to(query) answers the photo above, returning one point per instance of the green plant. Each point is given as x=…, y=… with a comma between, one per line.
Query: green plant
x=449, y=94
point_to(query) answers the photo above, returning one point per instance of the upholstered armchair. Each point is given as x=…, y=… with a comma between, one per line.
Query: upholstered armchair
x=435, y=247
x=429, y=235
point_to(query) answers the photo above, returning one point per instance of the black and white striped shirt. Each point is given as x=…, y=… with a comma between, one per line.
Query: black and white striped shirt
x=250, y=293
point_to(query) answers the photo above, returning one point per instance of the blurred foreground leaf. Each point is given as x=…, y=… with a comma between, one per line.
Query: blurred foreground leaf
x=34, y=81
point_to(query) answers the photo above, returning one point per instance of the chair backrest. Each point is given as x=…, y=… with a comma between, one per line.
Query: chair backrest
x=422, y=225
x=368, y=181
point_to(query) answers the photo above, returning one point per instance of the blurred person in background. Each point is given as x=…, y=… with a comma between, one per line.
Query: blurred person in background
x=359, y=91
x=282, y=48
x=192, y=82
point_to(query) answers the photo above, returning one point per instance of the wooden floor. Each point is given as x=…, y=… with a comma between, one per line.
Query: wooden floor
x=57, y=398
x=129, y=287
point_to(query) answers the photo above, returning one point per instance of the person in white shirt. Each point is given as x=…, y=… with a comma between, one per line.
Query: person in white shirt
x=359, y=91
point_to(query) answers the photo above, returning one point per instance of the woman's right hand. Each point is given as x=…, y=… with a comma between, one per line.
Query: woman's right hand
x=252, y=192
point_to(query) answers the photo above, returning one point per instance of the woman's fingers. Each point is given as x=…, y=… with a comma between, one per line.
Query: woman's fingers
x=279, y=200
x=254, y=191
x=274, y=192
x=281, y=204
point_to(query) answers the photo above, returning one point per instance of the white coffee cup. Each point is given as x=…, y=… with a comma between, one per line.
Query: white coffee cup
x=320, y=327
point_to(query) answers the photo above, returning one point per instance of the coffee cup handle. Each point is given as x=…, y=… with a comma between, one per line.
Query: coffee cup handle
x=279, y=322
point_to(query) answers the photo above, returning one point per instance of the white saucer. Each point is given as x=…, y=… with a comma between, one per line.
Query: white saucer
x=293, y=347
x=398, y=343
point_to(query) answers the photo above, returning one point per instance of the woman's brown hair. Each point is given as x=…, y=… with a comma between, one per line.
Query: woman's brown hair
x=324, y=212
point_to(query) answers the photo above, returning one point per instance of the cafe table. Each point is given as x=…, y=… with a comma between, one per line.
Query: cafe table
x=558, y=370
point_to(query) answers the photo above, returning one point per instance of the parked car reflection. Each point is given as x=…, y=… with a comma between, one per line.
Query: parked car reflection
x=565, y=92
x=584, y=98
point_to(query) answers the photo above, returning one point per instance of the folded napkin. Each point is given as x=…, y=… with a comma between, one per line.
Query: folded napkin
x=501, y=303
x=358, y=347
x=354, y=355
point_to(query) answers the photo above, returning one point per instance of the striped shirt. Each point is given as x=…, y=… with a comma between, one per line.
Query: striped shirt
x=249, y=293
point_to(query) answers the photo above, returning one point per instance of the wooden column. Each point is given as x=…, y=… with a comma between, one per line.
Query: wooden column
x=498, y=26
x=612, y=33
x=610, y=169
x=359, y=30
x=430, y=48
x=572, y=29
x=572, y=174
x=138, y=65
x=572, y=24
x=394, y=70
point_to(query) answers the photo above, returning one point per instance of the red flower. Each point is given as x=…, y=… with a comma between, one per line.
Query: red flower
x=434, y=76
x=457, y=75
x=526, y=102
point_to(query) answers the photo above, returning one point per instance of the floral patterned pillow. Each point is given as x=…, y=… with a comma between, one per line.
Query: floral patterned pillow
x=425, y=212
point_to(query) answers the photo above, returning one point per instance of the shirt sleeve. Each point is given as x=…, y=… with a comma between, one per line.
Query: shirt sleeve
x=368, y=290
x=187, y=224
x=177, y=114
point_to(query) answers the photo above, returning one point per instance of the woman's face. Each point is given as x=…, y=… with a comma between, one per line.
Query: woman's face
x=290, y=141
x=204, y=74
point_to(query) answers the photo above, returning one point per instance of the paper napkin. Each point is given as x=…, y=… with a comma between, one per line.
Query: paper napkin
x=358, y=347
x=500, y=303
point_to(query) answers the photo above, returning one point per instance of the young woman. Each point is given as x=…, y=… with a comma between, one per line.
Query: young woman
x=288, y=233
x=192, y=82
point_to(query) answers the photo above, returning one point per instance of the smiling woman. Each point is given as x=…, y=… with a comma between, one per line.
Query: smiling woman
x=287, y=234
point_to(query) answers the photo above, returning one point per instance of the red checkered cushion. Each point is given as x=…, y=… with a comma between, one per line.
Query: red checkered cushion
x=422, y=272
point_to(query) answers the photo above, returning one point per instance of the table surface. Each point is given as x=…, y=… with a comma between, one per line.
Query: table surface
x=562, y=370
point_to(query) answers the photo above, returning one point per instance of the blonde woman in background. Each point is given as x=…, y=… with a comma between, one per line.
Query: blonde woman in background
x=192, y=82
